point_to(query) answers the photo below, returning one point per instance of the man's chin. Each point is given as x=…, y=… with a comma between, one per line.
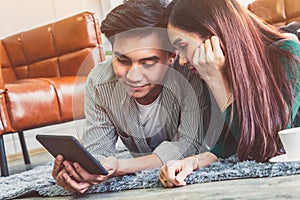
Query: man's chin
x=138, y=95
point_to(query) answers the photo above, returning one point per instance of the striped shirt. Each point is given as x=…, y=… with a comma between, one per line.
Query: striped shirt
x=111, y=114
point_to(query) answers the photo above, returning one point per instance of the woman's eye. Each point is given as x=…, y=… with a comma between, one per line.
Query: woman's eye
x=182, y=47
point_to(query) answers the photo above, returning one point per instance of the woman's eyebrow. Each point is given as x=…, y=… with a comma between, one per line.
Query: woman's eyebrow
x=175, y=43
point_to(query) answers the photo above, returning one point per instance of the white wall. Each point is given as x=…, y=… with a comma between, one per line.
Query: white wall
x=20, y=15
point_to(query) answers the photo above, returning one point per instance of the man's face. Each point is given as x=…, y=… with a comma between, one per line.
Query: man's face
x=140, y=64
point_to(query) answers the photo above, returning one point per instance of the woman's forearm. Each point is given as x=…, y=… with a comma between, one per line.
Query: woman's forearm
x=221, y=91
x=205, y=159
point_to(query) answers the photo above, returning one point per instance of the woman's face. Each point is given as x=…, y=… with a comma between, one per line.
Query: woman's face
x=185, y=42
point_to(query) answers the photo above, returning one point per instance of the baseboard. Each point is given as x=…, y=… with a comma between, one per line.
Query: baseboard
x=20, y=155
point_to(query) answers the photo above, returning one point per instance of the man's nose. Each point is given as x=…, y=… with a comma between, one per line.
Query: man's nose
x=135, y=74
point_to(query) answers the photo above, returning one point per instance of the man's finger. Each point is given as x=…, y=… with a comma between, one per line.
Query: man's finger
x=83, y=173
x=72, y=185
x=57, y=167
x=72, y=172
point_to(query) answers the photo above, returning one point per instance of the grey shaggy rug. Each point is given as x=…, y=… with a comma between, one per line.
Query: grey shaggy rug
x=40, y=181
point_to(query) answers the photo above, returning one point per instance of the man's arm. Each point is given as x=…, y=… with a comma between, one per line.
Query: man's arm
x=132, y=165
x=99, y=135
x=99, y=138
x=193, y=97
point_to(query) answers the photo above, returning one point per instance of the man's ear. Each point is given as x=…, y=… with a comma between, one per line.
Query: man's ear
x=173, y=57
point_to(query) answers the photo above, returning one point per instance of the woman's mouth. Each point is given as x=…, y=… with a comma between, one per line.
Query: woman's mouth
x=193, y=69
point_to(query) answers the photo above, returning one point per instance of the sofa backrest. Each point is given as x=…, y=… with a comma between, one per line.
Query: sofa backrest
x=276, y=12
x=52, y=50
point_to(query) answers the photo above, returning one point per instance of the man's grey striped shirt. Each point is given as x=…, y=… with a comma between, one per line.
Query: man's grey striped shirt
x=111, y=114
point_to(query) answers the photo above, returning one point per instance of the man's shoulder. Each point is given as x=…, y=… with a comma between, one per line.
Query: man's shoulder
x=102, y=73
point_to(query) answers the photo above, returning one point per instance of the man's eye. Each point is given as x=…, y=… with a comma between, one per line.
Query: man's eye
x=122, y=61
x=148, y=64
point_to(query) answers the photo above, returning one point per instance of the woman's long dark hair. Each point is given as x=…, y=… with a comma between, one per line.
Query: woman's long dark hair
x=261, y=89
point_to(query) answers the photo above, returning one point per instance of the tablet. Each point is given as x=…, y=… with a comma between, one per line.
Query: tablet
x=72, y=150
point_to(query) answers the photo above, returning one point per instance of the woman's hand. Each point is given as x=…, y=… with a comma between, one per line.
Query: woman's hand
x=209, y=59
x=72, y=177
x=174, y=172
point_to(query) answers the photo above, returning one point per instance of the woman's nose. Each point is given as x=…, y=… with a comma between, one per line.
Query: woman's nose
x=135, y=74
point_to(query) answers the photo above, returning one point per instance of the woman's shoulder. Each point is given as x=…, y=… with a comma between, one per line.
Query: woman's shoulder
x=289, y=42
x=292, y=46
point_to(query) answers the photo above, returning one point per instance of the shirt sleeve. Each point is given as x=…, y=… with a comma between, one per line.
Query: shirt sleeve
x=226, y=146
x=99, y=135
x=228, y=141
x=294, y=77
x=194, y=104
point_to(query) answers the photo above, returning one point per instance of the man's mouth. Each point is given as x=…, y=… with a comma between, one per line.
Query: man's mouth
x=137, y=87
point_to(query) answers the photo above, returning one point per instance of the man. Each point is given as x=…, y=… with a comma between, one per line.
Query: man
x=156, y=110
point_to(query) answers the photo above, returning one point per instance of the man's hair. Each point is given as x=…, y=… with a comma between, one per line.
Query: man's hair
x=133, y=14
x=138, y=18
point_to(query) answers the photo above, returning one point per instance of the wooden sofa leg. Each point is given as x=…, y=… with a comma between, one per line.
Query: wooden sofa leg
x=24, y=148
x=3, y=162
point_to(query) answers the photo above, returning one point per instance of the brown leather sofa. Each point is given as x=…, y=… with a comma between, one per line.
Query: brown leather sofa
x=276, y=12
x=40, y=69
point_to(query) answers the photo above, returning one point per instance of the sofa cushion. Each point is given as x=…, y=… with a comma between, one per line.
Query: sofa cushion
x=70, y=63
x=69, y=38
x=70, y=95
x=266, y=10
x=37, y=106
x=8, y=73
x=53, y=50
x=44, y=48
x=292, y=8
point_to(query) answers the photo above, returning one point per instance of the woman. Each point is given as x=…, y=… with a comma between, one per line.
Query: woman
x=252, y=71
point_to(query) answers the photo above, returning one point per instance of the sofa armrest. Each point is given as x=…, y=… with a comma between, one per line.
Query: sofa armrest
x=3, y=112
x=4, y=119
x=1, y=75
